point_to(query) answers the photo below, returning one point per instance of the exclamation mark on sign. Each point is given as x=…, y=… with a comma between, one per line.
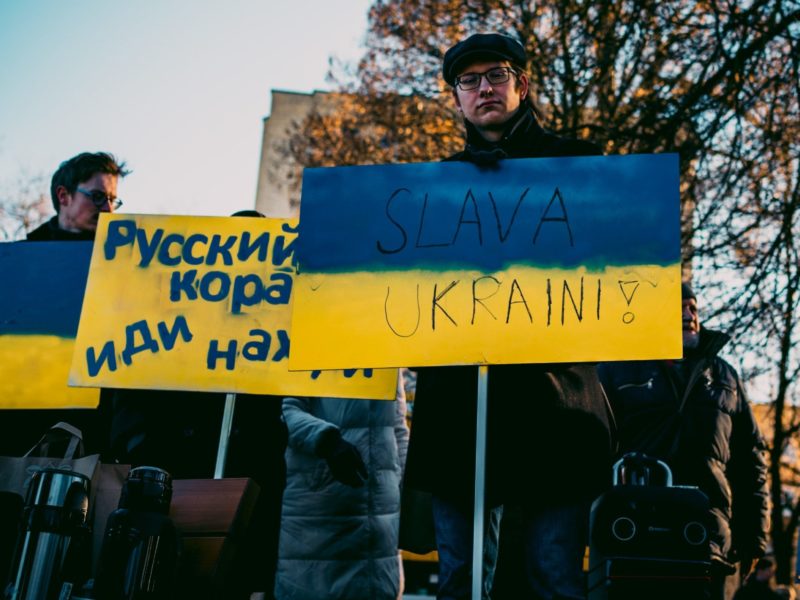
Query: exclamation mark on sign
x=628, y=289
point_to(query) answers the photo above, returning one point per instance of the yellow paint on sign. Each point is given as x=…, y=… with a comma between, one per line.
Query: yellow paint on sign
x=35, y=373
x=522, y=315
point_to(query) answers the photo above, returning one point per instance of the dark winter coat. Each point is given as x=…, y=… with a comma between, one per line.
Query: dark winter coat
x=525, y=139
x=548, y=425
x=49, y=231
x=693, y=415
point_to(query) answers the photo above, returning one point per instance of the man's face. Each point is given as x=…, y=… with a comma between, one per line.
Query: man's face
x=78, y=212
x=489, y=107
x=691, y=323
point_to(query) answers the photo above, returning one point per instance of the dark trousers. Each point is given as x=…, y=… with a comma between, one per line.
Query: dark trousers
x=553, y=546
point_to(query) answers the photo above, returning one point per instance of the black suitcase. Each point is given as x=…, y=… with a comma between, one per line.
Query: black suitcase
x=649, y=539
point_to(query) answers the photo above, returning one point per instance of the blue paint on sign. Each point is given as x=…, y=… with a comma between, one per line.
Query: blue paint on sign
x=546, y=212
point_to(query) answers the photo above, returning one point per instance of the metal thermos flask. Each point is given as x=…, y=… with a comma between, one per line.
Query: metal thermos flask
x=53, y=552
x=141, y=544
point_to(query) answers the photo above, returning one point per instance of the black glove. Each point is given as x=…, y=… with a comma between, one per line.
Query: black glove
x=343, y=458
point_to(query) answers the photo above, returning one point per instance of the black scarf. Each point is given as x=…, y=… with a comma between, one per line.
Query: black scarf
x=519, y=137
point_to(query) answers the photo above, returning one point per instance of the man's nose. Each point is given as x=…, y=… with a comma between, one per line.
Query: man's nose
x=485, y=87
x=106, y=207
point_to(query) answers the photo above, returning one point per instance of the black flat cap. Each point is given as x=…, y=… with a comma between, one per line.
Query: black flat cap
x=482, y=46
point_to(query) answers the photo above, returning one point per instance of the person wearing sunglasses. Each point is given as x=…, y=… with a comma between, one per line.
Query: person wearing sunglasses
x=549, y=434
x=81, y=188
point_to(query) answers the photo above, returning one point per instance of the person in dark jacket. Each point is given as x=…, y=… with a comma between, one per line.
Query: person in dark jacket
x=81, y=188
x=179, y=431
x=548, y=425
x=693, y=414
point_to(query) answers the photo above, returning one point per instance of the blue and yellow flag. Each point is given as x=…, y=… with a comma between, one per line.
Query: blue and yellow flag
x=531, y=261
x=43, y=285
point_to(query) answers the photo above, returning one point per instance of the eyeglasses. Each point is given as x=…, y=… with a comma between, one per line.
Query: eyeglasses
x=101, y=199
x=496, y=76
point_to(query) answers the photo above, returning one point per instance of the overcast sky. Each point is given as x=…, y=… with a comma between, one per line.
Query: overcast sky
x=177, y=88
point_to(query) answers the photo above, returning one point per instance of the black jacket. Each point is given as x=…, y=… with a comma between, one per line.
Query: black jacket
x=524, y=138
x=49, y=231
x=693, y=415
x=547, y=426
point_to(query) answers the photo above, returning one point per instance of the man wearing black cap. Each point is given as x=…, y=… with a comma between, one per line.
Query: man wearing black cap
x=492, y=93
x=693, y=414
x=549, y=443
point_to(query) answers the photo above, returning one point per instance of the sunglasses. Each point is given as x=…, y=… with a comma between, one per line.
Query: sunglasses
x=101, y=199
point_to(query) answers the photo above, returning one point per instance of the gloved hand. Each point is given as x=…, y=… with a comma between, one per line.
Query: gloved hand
x=344, y=460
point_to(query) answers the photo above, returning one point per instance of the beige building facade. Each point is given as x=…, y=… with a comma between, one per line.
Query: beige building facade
x=278, y=190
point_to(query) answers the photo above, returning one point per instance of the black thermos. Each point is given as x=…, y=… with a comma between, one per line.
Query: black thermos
x=140, y=545
x=52, y=558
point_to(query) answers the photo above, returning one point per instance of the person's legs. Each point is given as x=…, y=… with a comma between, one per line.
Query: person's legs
x=453, y=525
x=555, y=543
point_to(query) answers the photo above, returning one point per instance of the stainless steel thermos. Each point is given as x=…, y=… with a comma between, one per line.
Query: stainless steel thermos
x=53, y=552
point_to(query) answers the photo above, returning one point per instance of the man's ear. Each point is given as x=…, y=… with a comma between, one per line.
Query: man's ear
x=524, y=86
x=63, y=195
x=455, y=97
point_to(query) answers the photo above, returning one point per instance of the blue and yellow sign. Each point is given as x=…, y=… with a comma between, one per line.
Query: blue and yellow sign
x=199, y=303
x=43, y=287
x=533, y=261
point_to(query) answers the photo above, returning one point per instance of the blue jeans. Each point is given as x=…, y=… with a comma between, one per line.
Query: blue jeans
x=555, y=542
x=453, y=526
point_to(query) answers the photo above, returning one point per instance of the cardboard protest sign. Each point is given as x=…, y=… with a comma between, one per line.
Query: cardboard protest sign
x=199, y=303
x=43, y=287
x=534, y=260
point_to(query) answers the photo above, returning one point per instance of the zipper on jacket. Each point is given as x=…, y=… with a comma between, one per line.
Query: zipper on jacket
x=647, y=385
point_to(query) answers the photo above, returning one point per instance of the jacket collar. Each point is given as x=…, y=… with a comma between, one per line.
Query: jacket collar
x=711, y=342
x=521, y=132
x=63, y=235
